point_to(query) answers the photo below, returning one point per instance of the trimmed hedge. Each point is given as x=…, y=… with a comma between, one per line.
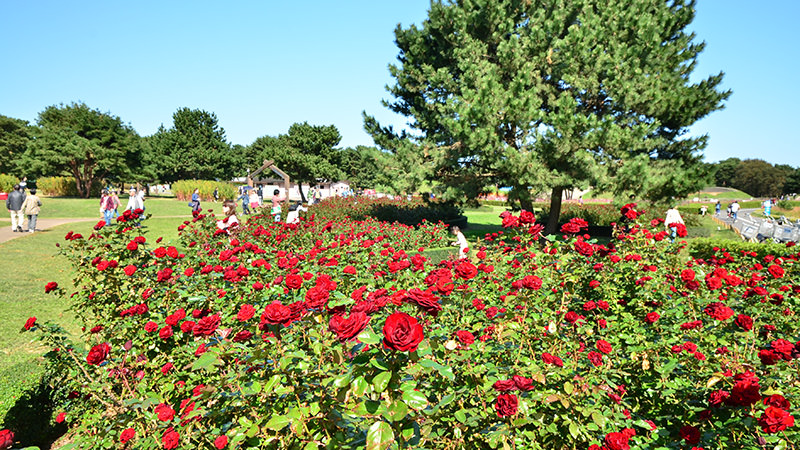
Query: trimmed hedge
x=705, y=248
x=183, y=189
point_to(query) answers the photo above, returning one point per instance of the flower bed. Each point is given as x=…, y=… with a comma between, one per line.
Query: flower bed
x=341, y=334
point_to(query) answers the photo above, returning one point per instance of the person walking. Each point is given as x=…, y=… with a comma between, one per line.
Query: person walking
x=735, y=209
x=31, y=208
x=216, y=195
x=244, y=199
x=140, y=199
x=14, y=205
x=768, y=208
x=117, y=203
x=195, y=203
x=276, y=205
x=717, y=208
x=255, y=202
x=131, y=206
x=673, y=218
x=107, y=206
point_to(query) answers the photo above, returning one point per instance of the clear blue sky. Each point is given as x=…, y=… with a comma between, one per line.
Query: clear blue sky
x=263, y=65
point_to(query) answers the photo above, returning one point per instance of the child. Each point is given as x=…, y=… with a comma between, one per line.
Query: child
x=276, y=205
x=230, y=221
x=461, y=241
x=294, y=213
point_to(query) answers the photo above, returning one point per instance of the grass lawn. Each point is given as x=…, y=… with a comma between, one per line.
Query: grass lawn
x=62, y=207
x=482, y=220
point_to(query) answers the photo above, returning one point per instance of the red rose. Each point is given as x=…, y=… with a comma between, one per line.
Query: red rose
x=30, y=323
x=275, y=314
x=51, y=286
x=551, y=359
x=466, y=270
x=60, y=417
x=777, y=401
x=132, y=246
x=129, y=269
x=187, y=326
x=171, y=439
x=526, y=217
x=207, y=325
x=506, y=405
x=465, y=337
x=745, y=391
x=596, y=358
x=744, y=322
x=504, y=385
x=172, y=252
x=604, y=346
x=532, y=282
x=164, y=412
x=126, y=435
x=98, y=354
x=718, y=311
x=401, y=332
x=776, y=271
x=246, y=312
x=775, y=419
x=690, y=434
x=316, y=297
x=348, y=328
x=617, y=441
x=425, y=300
x=652, y=317
x=349, y=270
x=150, y=326
x=160, y=252
x=7, y=437
x=221, y=442
x=584, y=248
x=522, y=383
x=165, y=332
x=294, y=281
x=242, y=336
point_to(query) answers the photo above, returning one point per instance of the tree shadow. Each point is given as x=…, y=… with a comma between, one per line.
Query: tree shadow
x=31, y=417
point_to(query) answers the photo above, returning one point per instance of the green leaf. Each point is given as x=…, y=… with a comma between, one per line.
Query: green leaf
x=369, y=337
x=206, y=360
x=415, y=399
x=273, y=381
x=379, y=436
x=278, y=423
x=461, y=416
x=573, y=430
x=381, y=381
x=342, y=380
x=568, y=387
x=251, y=388
x=398, y=411
x=359, y=386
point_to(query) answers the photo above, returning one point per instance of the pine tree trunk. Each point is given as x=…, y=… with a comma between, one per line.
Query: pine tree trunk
x=302, y=196
x=555, y=211
x=526, y=204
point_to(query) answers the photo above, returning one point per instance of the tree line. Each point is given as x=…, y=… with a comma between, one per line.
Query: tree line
x=756, y=177
x=94, y=147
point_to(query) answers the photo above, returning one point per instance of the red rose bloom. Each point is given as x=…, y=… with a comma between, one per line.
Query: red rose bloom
x=171, y=439
x=30, y=323
x=690, y=434
x=98, y=354
x=275, y=314
x=604, y=346
x=777, y=401
x=506, y=405
x=425, y=300
x=132, y=246
x=617, y=441
x=348, y=328
x=718, y=311
x=130, y=269
x=744, y=322
x=294, y=281
x=7, y=437
x=207, y=325
x=776, y=271
x=51, y=286
x=465, y=337
x=165, y=332
x=596, y=358
x=402, y=333
x=652, y=317
x=126, y=435
x=164, y=412
x=504, y=385
x=466, y=270
x=221, y=442
x=317, y=297
x=775, y=419
x=246, y=312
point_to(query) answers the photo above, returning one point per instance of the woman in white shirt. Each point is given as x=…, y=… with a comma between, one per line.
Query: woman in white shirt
x=230, y=221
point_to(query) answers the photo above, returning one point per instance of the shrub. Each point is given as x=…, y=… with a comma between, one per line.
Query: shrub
x=183, y=189
x=707, y=248
x=63, y=187
x=406, y=212
x=7, y=182
x=341, y=334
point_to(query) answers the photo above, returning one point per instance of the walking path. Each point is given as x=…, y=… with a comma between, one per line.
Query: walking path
x=42, y=225
x=745, y=225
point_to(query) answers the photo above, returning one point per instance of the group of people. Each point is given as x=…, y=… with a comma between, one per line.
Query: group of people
x=22, y=205
x=110, y=202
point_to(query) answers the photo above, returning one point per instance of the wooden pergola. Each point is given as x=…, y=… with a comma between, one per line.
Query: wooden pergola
x=269, y=164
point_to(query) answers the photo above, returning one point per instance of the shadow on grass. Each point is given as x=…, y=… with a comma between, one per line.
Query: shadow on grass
x=31, y=417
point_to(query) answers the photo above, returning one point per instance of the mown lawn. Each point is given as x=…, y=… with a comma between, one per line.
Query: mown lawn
x=63, y=207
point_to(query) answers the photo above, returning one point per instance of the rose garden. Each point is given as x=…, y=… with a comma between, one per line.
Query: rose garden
x=337, y=333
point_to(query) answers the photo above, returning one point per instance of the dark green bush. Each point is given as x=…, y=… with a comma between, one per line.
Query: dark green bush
x=705, y=248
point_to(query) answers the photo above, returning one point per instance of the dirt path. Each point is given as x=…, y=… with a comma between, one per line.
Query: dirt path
x=42, y=226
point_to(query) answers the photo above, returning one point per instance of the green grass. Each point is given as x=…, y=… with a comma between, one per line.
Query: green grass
x=482, y=220
x=720, y=193
x=62, y=207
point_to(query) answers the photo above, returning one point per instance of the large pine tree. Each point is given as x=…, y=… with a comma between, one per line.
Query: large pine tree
x=547, y=95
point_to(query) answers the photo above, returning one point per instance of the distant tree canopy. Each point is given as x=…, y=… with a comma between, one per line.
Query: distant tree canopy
x=193, y=148
x=307, y=153
x=757, y=177
x=15, y=134
x=551, y=95
x=78, y=141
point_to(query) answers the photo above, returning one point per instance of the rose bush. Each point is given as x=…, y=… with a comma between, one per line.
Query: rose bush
x=335, y=333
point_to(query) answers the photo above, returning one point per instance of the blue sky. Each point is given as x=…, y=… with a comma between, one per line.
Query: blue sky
x=263, y=65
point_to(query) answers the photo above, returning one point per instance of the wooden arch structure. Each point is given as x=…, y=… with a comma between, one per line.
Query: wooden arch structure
x=269, y=164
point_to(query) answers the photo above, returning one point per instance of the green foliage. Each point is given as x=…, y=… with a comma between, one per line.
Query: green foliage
x=7, y=182
x=411, y=213
x=306, y=153
x=15, y=134
x=707, y=248
x=183, y=189
x=725, y=172
x=83, y=143
x=63, y=187
x=759, y=178
x=547, y=96
x=792, y=183
x=368, y=168
x=194, y=148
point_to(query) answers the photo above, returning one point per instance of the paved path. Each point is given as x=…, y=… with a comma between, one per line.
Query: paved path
x=745, y=225
x=42, y=225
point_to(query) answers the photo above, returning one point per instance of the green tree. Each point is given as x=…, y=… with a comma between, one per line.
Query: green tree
x=14, y=137
x=547, y=95
x=759, y=178
x=78, y=141
x=726, y=171
x=367, y=168
x=306, y=153
x=792, y=184
x=194, y=148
